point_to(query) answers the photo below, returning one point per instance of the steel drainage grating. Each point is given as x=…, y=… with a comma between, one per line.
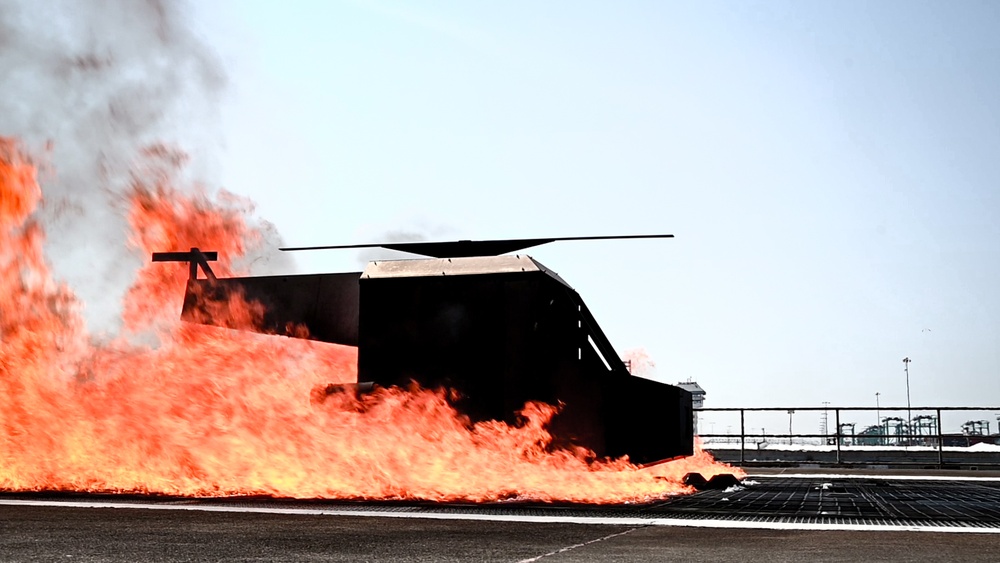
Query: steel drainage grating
x=884, y=502
x=847, y=501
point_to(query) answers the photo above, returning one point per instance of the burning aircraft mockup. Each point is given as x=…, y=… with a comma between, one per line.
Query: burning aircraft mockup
x=497, y=330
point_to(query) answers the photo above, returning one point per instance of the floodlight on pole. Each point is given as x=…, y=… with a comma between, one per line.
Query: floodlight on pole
x=790, y=413
x=824, y=423
x=906, y=368
x=878, y=417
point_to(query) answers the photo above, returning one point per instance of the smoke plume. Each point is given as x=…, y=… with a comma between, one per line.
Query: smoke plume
x=95, y=83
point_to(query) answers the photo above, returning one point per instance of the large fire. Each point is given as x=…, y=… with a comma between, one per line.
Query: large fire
x=206, y=411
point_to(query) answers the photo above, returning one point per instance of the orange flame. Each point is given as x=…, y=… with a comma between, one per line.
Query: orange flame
x=210, y=411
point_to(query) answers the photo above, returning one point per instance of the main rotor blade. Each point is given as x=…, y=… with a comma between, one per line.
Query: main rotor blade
x=467, y=248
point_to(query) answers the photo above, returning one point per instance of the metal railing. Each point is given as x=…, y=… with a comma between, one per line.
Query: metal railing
x=838, y=436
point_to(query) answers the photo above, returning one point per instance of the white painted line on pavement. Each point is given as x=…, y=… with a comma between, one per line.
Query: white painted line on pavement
x=633, y=521
x=881, y=477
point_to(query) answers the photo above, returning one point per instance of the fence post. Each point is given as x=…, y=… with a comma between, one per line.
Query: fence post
x=837, y=415
x=743, y=439
x=940, y=441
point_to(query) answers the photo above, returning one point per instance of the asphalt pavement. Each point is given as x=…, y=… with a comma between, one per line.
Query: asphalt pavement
x=72, y=534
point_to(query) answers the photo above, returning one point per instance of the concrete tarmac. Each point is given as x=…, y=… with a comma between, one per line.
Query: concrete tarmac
x=42, y=533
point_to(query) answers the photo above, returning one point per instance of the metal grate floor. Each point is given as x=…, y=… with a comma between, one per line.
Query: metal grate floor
x=885, y=502
x=851, y=501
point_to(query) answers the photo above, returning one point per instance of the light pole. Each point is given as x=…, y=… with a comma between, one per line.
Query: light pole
x=825, y=427
x=790, y=413
x=909, y=415
x=878, y=418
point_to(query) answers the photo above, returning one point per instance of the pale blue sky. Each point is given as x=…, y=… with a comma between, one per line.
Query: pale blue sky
x=831, y=170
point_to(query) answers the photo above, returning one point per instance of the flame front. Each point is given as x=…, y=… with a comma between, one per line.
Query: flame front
x=207, y=411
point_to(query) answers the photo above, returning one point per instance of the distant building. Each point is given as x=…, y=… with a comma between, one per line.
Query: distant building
x=697, y=398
